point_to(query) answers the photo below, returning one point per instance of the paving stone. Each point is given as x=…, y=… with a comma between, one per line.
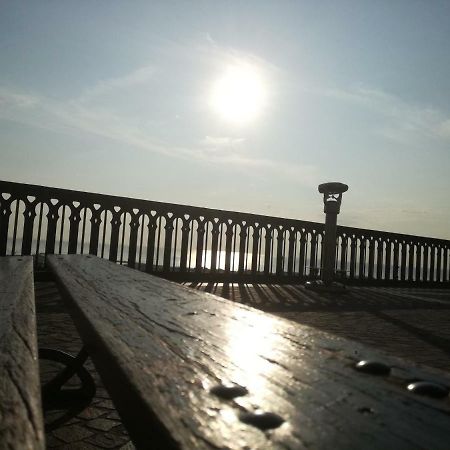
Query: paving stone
x=91, y=412
x=72, y=433
x=113, y=415
x=128, y=446
x=77, y=446
x=102, y=424
x=107, y=440
x=102, y=393
x=120, y=429
x=107, y=404
x=52, y=441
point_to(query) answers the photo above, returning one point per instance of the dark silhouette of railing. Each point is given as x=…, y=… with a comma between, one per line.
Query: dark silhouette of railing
x=192, y=243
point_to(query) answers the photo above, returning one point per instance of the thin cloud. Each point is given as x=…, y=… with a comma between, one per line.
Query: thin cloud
x=404, y=122
x=138, y=76
x=222, y=141
x=73, y=117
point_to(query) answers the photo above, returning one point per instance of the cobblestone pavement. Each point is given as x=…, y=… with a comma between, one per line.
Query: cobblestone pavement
x=410, y=323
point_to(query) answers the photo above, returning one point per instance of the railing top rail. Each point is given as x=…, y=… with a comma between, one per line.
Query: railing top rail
x=131, y=203
x=377, y=234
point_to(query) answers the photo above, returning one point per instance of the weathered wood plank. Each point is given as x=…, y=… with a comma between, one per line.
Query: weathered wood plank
x=21, y=422
x=161, y=347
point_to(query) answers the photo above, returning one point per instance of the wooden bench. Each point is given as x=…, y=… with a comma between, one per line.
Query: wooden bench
x=21, y=422
x=189, y=370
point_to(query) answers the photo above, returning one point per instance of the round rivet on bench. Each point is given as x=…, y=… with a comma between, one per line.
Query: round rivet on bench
x=428, y=388
x=365, y=410
x=262, y=420
x=373, y=367
x=228, y=391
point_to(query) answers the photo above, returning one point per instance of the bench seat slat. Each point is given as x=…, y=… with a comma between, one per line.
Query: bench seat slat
x=21, y=422
x=160, y=347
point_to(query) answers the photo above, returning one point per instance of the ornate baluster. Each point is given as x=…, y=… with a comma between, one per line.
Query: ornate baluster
x=52, y=222
x=403, y=262
x=439, y=263
x=255, y=247
x=29, y=215
x=152, y=226
x=280, y=242
x=426, y=250
x=446, y=255
x=5, y=213
x=242, y=246
x=344, y=249
x=95, y=229
x=313, y=255
x=228, y=245
x=135, y=215
x=353, y=256
x=302, y=254
x=200, y=243
x=291, y=250
x=39, y=231
x=168, y=241
x=185, y=242
x=214, y=244
x=412, y=249
x=371, y=257
x=396, y=265
x=380, y=244
x=16, y=222
x=115, y=229
x=74, y=220
x=419, y=252
x=387, y=270
x=432, y=263
x=267, y=249
x=362, y=257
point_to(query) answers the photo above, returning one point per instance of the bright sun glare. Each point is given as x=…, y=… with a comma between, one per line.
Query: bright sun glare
x=239, y=95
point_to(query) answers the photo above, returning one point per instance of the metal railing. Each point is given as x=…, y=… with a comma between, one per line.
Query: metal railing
x=191, y=243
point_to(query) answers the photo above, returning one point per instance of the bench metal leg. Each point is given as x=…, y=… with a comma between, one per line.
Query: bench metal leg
x=71, y=400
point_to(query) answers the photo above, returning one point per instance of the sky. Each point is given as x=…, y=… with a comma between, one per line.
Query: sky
x=234, y=105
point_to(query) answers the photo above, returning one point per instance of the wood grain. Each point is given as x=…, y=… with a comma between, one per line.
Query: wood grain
x=162, y=349
x=21, y=423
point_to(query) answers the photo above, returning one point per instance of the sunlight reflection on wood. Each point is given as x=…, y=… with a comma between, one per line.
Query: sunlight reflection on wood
x=246, y=346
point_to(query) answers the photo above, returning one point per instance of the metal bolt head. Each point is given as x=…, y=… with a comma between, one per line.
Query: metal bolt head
x=228, y=392
x=428, y=388
x=373, y=367
x=261, y=420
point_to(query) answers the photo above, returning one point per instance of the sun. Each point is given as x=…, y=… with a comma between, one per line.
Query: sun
x=239, y=95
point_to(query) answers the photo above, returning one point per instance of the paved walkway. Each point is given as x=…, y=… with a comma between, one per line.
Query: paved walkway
x=410, y=323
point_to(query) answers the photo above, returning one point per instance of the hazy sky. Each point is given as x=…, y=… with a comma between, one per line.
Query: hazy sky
x=119, y=97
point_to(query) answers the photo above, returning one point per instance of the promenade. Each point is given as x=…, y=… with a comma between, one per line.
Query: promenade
x=407, y=322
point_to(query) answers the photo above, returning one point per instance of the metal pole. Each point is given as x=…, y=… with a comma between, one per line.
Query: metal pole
x=332, y=198
x=329, y=248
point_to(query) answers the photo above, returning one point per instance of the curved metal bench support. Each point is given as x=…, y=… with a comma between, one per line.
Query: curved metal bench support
x=71, y=400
